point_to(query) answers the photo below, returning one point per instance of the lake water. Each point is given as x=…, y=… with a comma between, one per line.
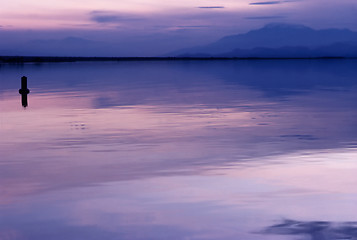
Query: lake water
x=179, y=150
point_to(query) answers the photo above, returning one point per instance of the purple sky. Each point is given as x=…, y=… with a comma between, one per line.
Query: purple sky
x=154, y=27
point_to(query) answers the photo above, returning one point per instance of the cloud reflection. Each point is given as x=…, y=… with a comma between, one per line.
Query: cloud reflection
x=314, y=230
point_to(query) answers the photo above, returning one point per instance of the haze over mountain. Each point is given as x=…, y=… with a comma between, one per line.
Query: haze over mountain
x=68, y=46
x=280, y=40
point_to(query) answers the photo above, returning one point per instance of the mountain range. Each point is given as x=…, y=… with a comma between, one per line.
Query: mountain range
x=278, y=40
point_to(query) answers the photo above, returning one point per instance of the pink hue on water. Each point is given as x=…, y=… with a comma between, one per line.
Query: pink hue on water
x=178, y=150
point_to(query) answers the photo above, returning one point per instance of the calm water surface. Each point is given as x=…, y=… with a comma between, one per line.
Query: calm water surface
x=179, y=150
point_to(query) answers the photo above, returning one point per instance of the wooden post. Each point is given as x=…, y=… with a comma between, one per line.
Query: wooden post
x=24, y=82
x=24, y=89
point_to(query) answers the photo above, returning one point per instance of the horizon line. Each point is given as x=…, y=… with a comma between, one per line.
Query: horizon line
x=44, y=59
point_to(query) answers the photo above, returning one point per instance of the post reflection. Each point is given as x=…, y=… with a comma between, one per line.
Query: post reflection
x=24, y=101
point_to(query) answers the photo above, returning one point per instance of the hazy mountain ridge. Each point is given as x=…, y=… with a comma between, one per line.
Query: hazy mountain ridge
x=333, y=50
x=271, y=41
x=280, y=40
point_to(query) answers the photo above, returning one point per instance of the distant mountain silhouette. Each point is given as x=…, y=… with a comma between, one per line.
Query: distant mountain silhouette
x=333, y=50
x=280, y=40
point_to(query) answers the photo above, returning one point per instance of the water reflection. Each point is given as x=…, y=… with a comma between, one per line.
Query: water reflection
x=197, y=150
x=24, y=102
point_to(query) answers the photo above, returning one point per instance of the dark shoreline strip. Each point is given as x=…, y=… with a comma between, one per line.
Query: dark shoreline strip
x=34, y=59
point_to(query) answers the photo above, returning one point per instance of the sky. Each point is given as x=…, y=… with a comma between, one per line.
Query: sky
x=149, y=27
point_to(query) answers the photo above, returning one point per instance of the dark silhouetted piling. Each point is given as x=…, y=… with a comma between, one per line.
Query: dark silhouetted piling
x=24, y=91
x=24, y=82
